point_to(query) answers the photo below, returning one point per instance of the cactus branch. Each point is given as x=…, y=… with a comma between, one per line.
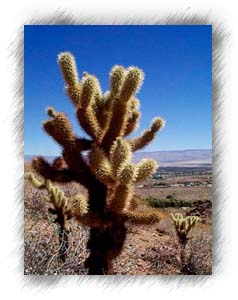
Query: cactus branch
x=121, y=198
x=59, y=128
x=142, y=217
x=68, y=67
x=49, y=171
x=132, y=123
x=145, y=168
x=148, y=135
x=118, y=122
x=89, y=122
x=120, y=154
x=69, y=71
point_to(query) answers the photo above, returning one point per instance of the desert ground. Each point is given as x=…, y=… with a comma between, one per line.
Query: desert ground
x=149, y=249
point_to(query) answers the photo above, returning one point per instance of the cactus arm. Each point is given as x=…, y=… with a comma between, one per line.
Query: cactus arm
x=120, y=154
x=48, y=171
x=118, y=122
x=117, y=76
x=38, y=184
x=133, y=116
x=145, y=168
x=77, y=170
x=59, y=128
x=117, y=126
x=69, y=71
x=121, y=198
x=81, y=205
x=137, y=217
x=147, y=136
x=81, y=94
x=74, y=93
x=105, y=114
x=88, y=121
x=78, y=166
x=86, y=113
x=59, y=163
x=132, y=83
x=135, y=201
x=127, y=174
x=98, y=106
x=132, y=123
x=68, y=68
x=100, y=165
x=90, y=90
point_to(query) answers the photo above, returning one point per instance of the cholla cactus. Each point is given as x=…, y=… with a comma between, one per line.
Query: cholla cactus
x=108, y=172
x=60, y=208
x=183, y=226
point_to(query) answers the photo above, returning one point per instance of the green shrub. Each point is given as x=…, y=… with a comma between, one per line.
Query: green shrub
x=171, y=201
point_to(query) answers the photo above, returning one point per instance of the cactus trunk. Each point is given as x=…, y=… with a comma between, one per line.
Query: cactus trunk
x=105, y=243
x=63, y=229
x=183, y=257
x=64, y=243
x=104, y=246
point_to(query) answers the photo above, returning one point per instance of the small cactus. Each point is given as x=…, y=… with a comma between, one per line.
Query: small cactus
x=60, y=208
x=183, y=226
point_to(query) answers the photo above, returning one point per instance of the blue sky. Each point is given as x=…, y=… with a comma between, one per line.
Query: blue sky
x=177, y=61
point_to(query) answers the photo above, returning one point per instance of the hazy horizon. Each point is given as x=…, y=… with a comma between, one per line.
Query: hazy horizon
x=174, y=150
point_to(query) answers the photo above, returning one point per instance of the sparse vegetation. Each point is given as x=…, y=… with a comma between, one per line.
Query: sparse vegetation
x=172, y=202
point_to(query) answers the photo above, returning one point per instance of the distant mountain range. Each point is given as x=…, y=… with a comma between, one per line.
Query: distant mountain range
x=179, y=158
